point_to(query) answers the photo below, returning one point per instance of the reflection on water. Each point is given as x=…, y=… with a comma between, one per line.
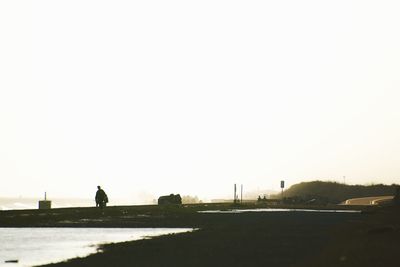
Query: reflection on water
x=277, y=210
x=36, y=246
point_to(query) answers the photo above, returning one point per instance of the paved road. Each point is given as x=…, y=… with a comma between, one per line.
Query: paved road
x=368, y=200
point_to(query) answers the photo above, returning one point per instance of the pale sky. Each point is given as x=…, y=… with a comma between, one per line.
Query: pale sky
x=158, y=97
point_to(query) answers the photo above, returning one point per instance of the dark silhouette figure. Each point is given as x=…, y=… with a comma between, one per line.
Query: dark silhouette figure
x=396, y=198
x=101, y=198
x=259, y=199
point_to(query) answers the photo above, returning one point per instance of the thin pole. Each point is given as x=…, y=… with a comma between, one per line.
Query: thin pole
x=234, y=193
x=241, y=193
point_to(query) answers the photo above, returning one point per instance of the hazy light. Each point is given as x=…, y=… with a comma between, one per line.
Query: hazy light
x=154, y=97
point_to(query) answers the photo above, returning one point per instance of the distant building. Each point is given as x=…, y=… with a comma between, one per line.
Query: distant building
x=44, y=204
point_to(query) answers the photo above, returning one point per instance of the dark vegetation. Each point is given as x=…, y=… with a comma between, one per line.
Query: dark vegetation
x=319, y=192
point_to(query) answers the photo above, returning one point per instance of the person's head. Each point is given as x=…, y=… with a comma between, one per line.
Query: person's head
x=98, y=187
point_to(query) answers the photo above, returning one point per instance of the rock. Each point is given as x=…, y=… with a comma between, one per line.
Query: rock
x=171, y=199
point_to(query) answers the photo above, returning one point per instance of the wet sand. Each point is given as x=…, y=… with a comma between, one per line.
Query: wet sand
x=245, y=239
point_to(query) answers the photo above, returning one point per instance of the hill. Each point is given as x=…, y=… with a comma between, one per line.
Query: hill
x=333, y=192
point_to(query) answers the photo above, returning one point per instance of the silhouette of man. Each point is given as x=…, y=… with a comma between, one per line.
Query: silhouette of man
x=396, y=198
x=101, y=197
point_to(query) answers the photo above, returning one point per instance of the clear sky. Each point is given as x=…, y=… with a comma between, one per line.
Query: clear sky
x=157, y=97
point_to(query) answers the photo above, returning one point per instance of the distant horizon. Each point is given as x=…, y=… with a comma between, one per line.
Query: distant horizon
x=24, y=202
x=226, y=196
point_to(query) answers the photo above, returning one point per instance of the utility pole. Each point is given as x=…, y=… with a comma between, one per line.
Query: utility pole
x=241, y=193
x=234, y=193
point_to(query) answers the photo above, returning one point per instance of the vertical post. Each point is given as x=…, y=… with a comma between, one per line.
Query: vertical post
x=241, y=193
x=234, y=193
x=45, y=195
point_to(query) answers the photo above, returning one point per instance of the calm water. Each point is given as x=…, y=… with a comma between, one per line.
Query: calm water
x=277, y=210
x=35, y=246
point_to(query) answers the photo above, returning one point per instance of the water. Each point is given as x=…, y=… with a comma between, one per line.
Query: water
x=36, y=246
x=277, y=210
x=32, y=203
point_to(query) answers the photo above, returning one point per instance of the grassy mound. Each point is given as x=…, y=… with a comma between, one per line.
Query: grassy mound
x=332, y=192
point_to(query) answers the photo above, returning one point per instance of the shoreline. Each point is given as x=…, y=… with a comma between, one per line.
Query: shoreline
x=244, y=239
x=139, y=216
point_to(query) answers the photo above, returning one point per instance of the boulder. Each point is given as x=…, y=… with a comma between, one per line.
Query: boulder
x=170, y=199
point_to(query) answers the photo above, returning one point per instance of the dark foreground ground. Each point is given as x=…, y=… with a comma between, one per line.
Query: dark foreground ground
x=247, y=239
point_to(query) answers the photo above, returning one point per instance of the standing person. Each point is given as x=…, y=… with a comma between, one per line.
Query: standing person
x=396, y=198
x=101, y=197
